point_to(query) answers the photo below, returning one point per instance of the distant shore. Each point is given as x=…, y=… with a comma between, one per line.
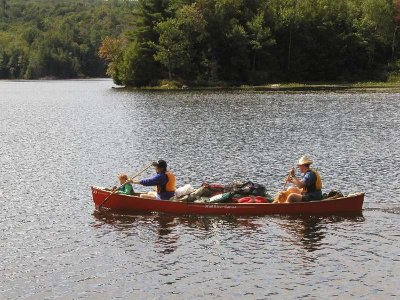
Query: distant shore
x=393, y=87
x=288, y=87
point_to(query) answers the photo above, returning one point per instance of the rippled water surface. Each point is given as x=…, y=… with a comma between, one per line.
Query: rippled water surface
x=60, y=137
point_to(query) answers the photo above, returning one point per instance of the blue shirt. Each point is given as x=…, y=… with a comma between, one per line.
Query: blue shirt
x=158, y=180
x=310, y=180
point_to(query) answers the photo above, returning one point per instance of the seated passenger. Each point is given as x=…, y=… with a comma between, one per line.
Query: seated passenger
x=164, y=181
x=126, y=187
x=311, y=183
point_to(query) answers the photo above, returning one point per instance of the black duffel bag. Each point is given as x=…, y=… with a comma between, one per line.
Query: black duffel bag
x=246, y=189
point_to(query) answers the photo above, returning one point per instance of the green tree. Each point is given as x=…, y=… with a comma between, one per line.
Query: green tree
x=396, y=21
x=59, y=39
x=179, y=38
x=4, y=6
x=142, y=68
x=172, y=46
x=259, y=36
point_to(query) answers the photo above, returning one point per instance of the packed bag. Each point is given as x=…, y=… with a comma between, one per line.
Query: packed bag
x=184, y=190
x=246, y=189
x=221, y=198
x=213, y=187
x=201, y=192
x=332, y=194
x=252, y=199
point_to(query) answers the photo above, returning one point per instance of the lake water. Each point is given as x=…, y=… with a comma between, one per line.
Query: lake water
x=60, y=137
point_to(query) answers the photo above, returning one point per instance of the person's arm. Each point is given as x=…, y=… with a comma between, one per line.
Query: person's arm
x=299, y=183
x=146, y=182
x=155, y=180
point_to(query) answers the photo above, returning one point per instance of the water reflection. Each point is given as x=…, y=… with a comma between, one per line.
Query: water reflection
x=309, y=231
x=118, y=221
x=167, y=228
x=167, y=239
x=166, y=222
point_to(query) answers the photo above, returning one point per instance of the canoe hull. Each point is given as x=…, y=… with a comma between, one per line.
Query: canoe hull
x=124, y=203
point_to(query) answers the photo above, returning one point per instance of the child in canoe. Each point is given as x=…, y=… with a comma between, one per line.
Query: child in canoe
x=125, y=186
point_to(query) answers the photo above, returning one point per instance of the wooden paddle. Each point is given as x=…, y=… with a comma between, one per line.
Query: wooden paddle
x=291, y=173
x=116, y=190
x=284, y=186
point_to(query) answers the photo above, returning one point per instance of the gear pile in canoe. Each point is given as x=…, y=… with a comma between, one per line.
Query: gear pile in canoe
x=235, y=192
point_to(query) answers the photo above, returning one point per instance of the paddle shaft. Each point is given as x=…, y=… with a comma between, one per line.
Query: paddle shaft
x=284, y=186
x=287, y=179
x=134, y=176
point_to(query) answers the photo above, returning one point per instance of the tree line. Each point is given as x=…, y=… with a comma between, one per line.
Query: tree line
x=200, y=42
x=58, y=38
x=235, y=42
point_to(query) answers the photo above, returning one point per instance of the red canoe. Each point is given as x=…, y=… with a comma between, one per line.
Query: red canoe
x=124, y=203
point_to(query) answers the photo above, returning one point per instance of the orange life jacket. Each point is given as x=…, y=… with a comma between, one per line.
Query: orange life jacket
x=169, y=186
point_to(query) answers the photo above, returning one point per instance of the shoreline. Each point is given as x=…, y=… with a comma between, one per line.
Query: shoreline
x=293, y=87
x=393, y=87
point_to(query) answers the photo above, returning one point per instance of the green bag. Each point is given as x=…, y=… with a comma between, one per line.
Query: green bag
x=221, y=198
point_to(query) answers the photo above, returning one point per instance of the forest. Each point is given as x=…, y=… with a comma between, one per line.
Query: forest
x=253, y=42
x=201, y=42
x=56, y=38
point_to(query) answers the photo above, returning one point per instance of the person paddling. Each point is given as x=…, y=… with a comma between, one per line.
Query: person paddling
x=311, y=182
x=164, y=181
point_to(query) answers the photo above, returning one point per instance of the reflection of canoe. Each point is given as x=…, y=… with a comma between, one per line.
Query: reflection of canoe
x=124, y=203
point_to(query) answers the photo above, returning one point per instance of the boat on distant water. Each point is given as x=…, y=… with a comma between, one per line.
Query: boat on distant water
x=133, y=204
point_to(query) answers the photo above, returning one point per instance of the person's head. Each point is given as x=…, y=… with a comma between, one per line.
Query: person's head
x=160, y=165
x=304, y=163
x=122, y=178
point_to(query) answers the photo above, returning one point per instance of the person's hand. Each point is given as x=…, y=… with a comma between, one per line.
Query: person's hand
x=292, y=171
x=134, y=181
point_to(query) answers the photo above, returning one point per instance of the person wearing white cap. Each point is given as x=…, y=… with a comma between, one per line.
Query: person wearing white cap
x=311, y=183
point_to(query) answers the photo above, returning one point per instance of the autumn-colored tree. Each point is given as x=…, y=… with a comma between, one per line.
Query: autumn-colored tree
x=111, y=50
